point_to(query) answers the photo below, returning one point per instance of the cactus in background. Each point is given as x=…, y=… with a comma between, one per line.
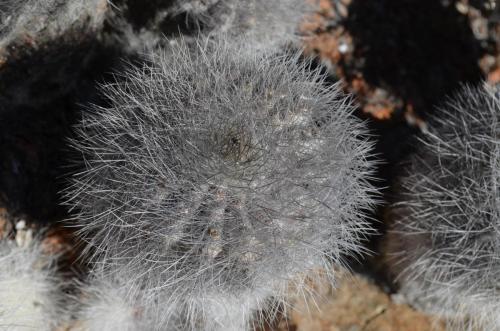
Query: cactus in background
x=109, y=303
x=218, y=177
x=8, y=11
x=35, y=23
x=446, y=237
x=262, y=24
x=30, y=291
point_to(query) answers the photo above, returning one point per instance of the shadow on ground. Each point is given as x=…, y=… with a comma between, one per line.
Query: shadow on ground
x=421, y=51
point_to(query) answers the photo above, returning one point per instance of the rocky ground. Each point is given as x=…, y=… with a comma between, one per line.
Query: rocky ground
x=399, y=59
x=357, y=305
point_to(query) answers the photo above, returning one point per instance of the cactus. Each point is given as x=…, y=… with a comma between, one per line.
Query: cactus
x=220, y=177
x=36, y=23
x=263, y=24
x=108, y=302
x=30, y=289
x=8, y=10
x=446, y=233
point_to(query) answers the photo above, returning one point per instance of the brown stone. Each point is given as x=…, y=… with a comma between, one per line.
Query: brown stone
x=5, y=224
x=356, y=305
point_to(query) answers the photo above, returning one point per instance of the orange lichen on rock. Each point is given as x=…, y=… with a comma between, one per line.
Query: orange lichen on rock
x=61, y=241
x=494, y=76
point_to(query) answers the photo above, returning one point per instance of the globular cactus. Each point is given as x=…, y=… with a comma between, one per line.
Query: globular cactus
x=30, y=289
x=446, y=239
x=220, y=177
x=259, y=24
x=8, y=11
x=41, y=22
x=109, y=302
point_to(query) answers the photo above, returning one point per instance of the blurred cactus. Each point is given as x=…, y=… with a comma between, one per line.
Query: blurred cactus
x=262, y=24
x=38, y=22
x=109, y=303
x=8, y=11
x=30, y=291
x=219, y=177
x=446, y=240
